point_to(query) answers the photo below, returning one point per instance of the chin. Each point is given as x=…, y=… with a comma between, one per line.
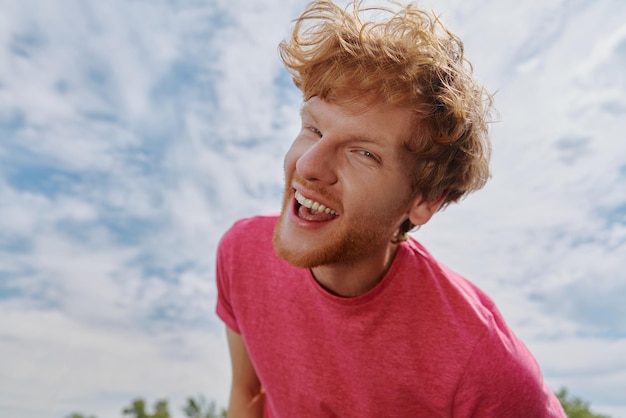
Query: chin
x=291, y=249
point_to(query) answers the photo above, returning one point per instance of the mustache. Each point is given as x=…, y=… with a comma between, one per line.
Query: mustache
x=321, y=191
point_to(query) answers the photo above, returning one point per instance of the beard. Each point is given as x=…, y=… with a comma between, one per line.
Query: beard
x=352, y=237
x=342, y=247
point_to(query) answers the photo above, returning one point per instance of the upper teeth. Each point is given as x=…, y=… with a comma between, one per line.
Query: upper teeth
x=311, y=204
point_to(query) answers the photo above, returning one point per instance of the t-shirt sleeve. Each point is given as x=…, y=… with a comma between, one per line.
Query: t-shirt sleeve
x=502, y=379
x=223, y=274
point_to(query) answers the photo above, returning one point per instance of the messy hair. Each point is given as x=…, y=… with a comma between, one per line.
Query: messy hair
x=409, y=59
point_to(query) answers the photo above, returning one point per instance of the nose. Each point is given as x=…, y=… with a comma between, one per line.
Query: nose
x=318, y=162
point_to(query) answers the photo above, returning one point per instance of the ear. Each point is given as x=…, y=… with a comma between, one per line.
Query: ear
x=422, y=210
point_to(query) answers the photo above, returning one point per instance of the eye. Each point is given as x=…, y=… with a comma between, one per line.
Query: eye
x=314, y=130
x=367, y=154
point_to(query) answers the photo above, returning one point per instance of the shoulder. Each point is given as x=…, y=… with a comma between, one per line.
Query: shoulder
x=255, y=231
x=246, y=243
x=256, y=226
x=246, y=248
x=500, y=376
x=470, y=312
x=463, y=298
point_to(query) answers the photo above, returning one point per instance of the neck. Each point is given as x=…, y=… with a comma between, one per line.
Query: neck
x=351, y=279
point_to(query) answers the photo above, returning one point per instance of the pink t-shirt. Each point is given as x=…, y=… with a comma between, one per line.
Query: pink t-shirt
x=423, y=343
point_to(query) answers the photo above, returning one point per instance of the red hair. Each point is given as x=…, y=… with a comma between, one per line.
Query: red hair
x=404, y=56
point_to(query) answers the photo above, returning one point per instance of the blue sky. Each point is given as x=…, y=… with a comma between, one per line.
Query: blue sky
x=133, y=133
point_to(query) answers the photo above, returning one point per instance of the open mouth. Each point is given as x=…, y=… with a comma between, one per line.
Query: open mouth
x=311, y=210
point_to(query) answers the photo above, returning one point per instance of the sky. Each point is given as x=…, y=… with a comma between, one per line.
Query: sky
x=134, y=133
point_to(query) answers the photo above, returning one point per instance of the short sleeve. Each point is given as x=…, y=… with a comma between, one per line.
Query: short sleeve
x=502, y=379
x=223, y=275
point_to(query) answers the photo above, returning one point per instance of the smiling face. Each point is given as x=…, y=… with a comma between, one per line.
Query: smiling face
x=347, y=190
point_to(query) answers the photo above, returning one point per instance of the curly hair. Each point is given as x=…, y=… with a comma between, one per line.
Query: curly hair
x=409, y=59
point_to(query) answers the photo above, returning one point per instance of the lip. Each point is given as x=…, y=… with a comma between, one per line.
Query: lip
x=311, y=195
x=293, y=214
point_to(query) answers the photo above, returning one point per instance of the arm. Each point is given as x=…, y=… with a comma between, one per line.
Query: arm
x=246, y=393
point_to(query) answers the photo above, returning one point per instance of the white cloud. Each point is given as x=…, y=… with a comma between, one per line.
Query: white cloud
x=74, y=366
x=160, y=123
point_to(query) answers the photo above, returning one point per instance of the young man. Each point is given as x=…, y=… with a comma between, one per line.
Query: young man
x=331, y=310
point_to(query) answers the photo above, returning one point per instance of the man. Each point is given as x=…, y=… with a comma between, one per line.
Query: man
x=331, y=310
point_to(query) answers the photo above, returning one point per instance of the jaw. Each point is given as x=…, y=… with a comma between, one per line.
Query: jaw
x=345, y=262
x=306, y=239
x=301, y=238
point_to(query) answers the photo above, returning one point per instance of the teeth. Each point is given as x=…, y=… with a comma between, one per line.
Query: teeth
x=311, y=204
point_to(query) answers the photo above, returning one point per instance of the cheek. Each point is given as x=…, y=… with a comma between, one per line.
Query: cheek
x=390, y=196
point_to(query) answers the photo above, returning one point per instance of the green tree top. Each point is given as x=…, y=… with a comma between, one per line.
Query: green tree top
x=575, y=407
x=200, y=408
x=138, y=410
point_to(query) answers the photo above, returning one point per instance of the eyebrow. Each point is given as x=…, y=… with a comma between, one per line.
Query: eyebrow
x=305, y=111
x=378, y=141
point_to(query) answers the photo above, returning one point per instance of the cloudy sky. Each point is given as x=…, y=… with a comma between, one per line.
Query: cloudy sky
x=134, y=132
